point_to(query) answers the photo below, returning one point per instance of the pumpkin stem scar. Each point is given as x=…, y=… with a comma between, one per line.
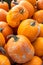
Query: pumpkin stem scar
x=21, y=11
x=14, y=36
x=2, y=1
x=32, y=24
x=1, y=29
x=2, y=50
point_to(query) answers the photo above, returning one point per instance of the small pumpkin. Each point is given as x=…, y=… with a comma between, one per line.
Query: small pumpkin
x=38, y=45
x=19, y=48
x=28, y=6
x=38, y=16
x=29, y=28
x=4, y=5
x=6, y=30
x=16, y=14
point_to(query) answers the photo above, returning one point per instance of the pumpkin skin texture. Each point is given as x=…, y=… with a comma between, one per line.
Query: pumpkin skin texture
x=28, y=6
x=33, y=2
x=4, y=60
x=38, y=45
x=16, y=14
x=38, y=16
x=20, y=48
x=4, y=5
x=40, y=4
x=29, y=28
x=6, y=29
x=41, y=30
x=35, y=61
x=3, y=15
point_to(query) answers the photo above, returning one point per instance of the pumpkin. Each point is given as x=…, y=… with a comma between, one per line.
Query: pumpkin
x=38, y=16
x=38, y=45
x=40, y=4
x=4, y=60
x=19, y=48
x=29, y=28
x=28, y=6
x=16, y=14
x=4, y=5
x=6, y=30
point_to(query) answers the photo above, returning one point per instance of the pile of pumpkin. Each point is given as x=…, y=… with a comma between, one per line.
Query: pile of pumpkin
x=21, y=32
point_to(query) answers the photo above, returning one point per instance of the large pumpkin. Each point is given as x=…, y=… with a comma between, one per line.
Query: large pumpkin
x=19, y=48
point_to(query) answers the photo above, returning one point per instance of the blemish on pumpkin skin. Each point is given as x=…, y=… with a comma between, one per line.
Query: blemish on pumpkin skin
x=12, y=48
x=24, y=56
x=16, y=55
x=29, y=51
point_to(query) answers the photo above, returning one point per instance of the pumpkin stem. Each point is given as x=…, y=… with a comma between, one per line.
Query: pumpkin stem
x=32, y=24
x=1, y=29
x=14, y=36
x=2, y=1
x=2, y=50
x=21, y=11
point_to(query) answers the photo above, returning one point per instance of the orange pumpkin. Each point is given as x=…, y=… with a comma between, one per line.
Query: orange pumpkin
x=4, y=5
x=4, y=60
x=19, y=48
x=30, y=28
x=28, y=6
x=38, y=16
x=6, y=29
x=40, y=4
x=35, y=61
x=3, y=15
x=38, y=45
x=16, y=14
